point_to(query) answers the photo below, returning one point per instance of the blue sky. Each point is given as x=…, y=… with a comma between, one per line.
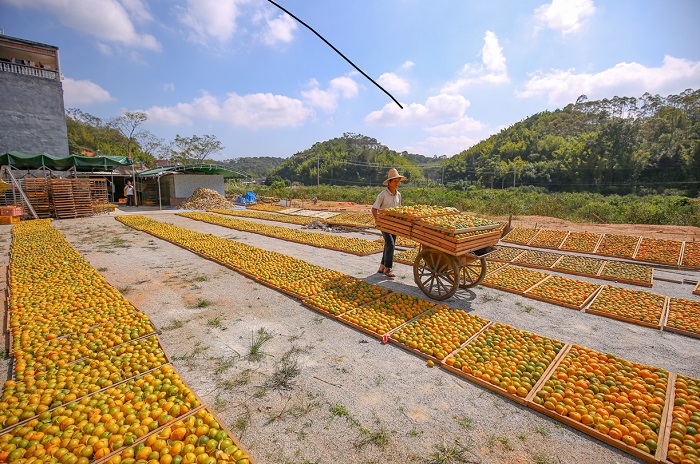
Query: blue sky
x=264, y=85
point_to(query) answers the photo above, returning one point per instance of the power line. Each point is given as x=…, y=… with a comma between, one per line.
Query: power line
x=337, y=51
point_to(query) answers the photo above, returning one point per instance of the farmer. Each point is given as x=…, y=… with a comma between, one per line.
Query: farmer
x=129, y=192
x=388, y=198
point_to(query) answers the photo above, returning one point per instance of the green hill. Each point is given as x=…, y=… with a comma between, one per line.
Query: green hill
x=617, y=145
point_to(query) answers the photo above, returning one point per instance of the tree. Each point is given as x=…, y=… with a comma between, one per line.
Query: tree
x=152, y=147
x=195, y=149
x=127, y=124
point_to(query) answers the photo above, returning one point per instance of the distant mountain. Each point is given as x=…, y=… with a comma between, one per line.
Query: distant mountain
x=352, y=159
x=258, y=166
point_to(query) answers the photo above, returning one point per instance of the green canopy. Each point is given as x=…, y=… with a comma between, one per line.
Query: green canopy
x=220, y=169
x=62, y=163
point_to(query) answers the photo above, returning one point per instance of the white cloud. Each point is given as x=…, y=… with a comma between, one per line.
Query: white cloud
x=623, y=79
x=340, y=87
x=437, y=109
x=491, y=70
x=106, y=20
x=442, y=116
x=565, y=15
x=392, y=83
x=139, y=11
x=442, y=146
x=281, y=29
x=461, y=125
x=253, y=111
x=406, y=65
x=169, y=87
x=77, y=92
x=211, y=19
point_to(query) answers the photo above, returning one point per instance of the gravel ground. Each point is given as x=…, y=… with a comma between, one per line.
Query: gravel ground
x=321, y=392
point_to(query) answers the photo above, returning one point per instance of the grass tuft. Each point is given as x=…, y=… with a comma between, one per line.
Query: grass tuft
x=257, y=341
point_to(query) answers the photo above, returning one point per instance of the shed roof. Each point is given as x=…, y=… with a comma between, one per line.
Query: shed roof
x=220, y=169
x=20, y=160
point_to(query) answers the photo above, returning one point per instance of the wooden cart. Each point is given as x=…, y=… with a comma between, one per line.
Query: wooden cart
x=448, y=259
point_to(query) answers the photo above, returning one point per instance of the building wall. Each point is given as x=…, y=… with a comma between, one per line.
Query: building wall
x=184, y=185
x=32, y=117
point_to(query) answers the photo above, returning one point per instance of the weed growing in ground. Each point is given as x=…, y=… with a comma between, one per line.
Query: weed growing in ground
x=286, y=370
x=217, y=322
x=202, y=303
x=450, y=454
x=542, y=458
x=175, y=324
x=524, y=308
x=379, y=437
x=465, y=422
x=257, y=341
x=190, y=357
x=487, y=297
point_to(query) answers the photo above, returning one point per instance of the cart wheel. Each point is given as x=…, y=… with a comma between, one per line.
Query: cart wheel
x=473, y=272
x=436, y=273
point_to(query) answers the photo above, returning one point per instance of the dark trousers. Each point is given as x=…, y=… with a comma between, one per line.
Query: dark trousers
x=388, y=254
x=130, y=200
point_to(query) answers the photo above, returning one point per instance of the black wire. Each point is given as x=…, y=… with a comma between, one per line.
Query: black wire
x=337, y=51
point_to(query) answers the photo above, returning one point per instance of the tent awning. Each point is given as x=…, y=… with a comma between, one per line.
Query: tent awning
x=19, y=160
x=220, y=169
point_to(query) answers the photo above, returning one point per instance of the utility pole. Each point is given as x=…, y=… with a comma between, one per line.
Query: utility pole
x=442, y=179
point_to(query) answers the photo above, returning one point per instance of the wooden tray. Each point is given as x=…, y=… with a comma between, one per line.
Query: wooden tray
x=542, y=232
x=101, y=390
x=622, y=318
x=410, y=217
x=588, y=430
x=668, y=328
x=450, y=231
x=642, y=283
x=593, y=433
x=390, y=339
x=579, y=307
x=633, y=252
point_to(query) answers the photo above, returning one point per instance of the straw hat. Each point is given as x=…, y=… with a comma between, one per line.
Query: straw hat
x=393, y=174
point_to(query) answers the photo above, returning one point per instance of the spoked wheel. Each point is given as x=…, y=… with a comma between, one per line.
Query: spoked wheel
x=436, y=273
x=472, y=272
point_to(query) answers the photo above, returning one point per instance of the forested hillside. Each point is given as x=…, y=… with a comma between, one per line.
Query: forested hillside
x=352, y=159
x=616, y=145
x=257, y=166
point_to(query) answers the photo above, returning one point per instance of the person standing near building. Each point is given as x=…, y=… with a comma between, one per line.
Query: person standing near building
x=129, y=192
x=388, y=198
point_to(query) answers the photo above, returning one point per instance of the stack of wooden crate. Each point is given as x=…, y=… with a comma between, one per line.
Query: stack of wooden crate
x=37, y=191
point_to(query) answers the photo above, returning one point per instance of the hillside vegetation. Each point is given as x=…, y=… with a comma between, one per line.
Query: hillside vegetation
x=573, y=206
x=618, y=145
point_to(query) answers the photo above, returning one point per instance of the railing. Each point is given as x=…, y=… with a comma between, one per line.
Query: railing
x=28, y=70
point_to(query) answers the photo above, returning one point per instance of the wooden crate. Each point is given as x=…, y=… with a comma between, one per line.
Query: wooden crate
x=11, y=211
x=394, y=225
x=456, y=245
x=9, y=219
